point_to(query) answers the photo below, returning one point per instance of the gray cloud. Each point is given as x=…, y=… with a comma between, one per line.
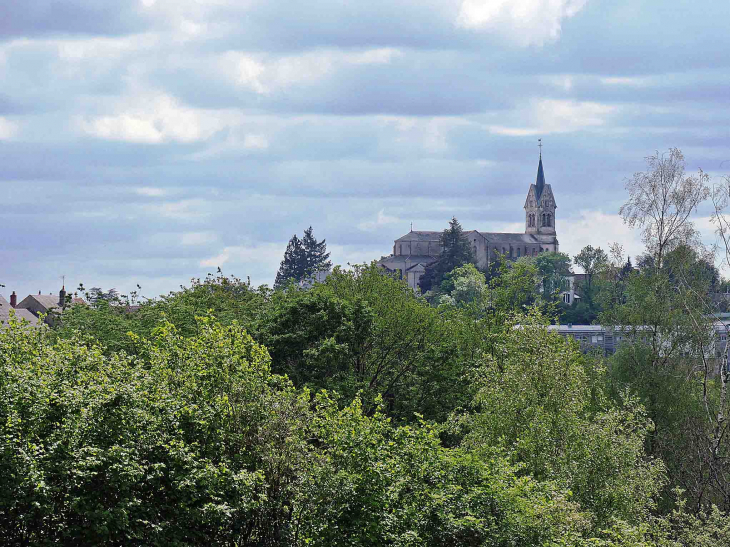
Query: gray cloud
x=150, y=142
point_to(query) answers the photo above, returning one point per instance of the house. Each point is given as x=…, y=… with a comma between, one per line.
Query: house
x=6, y=310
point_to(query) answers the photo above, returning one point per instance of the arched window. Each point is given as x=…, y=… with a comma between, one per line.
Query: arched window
x=549, y=220
x=518, y=252
x=543, y=219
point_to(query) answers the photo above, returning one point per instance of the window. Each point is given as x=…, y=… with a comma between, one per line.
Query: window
x=549, y=219
x=510, y=251
x=566, y=298
x=401, y=249
x=518, y=252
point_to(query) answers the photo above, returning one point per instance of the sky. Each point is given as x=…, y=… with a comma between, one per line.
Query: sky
x=152, y=141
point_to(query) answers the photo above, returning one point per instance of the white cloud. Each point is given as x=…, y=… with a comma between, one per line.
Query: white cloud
x=198, y=238
x=256, y=142
x=526, y=22
x=625, y=81
x=381, y=220
x=7, y=129
x=150, y=192
x=268, y=255
x=558, y=116
x=156, y=119
x=186, y=209
x=598, y=229
x=265, y=76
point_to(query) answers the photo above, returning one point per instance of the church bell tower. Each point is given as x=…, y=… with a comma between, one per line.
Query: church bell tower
x=540, y=205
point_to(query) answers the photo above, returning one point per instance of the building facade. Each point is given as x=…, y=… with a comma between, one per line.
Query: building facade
x=416, y=250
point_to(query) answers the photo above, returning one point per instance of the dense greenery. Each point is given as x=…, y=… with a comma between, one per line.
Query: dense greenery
x=357, y=412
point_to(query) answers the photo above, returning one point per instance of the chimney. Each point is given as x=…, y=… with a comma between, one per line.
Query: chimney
x=13, y=299
x=62, y=297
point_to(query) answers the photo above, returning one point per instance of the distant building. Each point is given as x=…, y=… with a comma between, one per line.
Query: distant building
x=6, y=310
x=47, y=304
x=416, y=250
x=317, y=277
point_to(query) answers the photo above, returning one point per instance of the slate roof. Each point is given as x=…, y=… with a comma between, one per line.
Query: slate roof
x=420, y=235
x=48, y=301
x=5, y=311
x=394, y=261
x=520, y=239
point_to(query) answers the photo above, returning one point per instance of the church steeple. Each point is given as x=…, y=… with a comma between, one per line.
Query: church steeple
x=540, y=182
x=540, y=205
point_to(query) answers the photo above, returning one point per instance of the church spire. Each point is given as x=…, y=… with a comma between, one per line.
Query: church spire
x=540, y=182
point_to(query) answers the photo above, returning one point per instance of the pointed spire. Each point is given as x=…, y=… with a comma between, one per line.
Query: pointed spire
x=540, y=182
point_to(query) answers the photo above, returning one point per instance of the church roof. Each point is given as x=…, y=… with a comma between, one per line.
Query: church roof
x=394, y=261
x=420, y=235
x=540, y=182
x=503, y=237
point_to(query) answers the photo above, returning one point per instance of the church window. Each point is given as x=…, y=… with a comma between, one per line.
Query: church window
x=504, y=251
x=549, y=219
x=518, y=252
x=510, y=251
x=401, y=249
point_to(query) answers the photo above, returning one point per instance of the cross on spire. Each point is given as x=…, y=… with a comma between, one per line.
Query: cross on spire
x=539, y=144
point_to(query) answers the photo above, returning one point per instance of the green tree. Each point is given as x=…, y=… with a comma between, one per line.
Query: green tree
x=315, y=252
x=294, y=265
x=455, y=251
x=541, y=401
x=592, y=260
x=553, y=268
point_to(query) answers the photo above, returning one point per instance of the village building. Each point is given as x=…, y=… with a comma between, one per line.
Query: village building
x=416, y=250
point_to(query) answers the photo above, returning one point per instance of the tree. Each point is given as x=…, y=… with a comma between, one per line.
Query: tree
x=553, y=268
x=592, y=261
x=661, y=200
x=302, y=258
x=315, y=252
x=455, y=251
x=542, y=402
x=294, y=265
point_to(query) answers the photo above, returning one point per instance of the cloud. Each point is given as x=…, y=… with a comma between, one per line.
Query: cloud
x=156, y=119
x=381, y=220
x=150, y=192
x=559, y=116
x=527, y=22
x=151, y=140
x=7, y=129
x=198, y=238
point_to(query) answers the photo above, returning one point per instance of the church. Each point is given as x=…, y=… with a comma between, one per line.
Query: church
x=416, y=250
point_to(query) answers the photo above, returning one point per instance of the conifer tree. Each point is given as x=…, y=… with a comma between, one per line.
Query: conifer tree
x=455, y=251
x=303, y=258
x=294, y=264
x=315, y=252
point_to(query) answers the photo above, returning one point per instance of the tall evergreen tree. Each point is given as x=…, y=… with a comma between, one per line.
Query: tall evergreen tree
x=303, y=258
x=455, y=251
x=315, y=252
x=294, y=264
